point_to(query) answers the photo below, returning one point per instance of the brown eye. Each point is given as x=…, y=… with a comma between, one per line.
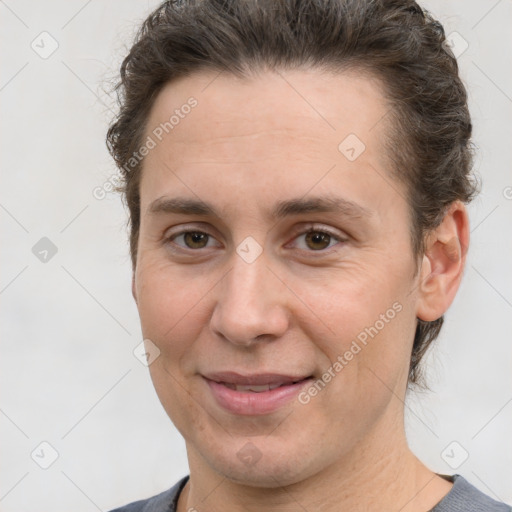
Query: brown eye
x=317, y=240
x=195, y=239
x=190, y=240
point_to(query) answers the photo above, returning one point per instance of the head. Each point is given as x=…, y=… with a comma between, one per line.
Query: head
x=295, y=173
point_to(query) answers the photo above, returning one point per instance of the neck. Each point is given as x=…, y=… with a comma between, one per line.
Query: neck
x=373, y=476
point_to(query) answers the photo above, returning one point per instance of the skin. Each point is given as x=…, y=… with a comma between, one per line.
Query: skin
x=248, y=144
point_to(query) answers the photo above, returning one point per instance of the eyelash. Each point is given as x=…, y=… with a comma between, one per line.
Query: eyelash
x=313, y=229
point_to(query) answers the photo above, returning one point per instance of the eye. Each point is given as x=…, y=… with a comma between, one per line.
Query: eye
x=192, y=239
x=313, y=240
x=317, y=240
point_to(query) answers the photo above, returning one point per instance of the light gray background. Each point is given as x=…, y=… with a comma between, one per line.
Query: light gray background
x=69, y=326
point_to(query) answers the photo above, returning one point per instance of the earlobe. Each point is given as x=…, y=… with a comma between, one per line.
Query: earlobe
x=443, y=263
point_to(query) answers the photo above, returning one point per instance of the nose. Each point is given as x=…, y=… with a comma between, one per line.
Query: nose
x=251, y=304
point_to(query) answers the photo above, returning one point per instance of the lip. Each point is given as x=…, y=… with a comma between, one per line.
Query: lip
x=254, y=403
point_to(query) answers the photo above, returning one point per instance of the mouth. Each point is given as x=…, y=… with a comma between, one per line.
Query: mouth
x=254, y=394
x=257, y=389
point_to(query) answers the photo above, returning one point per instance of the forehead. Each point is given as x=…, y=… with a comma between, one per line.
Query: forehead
x=282, y=129
x=305, y=101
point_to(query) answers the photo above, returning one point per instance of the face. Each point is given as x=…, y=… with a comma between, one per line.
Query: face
x=275, y=274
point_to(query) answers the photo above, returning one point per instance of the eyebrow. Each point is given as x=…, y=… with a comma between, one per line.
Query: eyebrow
x=285, y=208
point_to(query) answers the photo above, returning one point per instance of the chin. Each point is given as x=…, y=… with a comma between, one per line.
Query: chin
x=263, y=474
x=263, y=463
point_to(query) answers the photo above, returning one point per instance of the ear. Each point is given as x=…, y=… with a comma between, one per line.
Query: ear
x=443, y=263
x=134, y=290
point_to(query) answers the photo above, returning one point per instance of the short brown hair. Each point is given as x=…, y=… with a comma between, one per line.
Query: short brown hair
x=395, y=40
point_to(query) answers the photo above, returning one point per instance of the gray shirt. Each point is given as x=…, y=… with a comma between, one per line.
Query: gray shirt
x=463, y=497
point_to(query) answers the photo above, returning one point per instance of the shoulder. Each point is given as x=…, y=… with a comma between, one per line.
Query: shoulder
x=464, y=497
x=163, y=502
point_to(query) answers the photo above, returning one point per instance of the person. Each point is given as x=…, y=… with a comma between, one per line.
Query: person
x=296, y=174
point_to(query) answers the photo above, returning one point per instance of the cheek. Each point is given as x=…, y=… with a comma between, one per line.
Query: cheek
x=355, y=304
x=373, y=357
x=367, y=319
x=172, y=306
x=172, y=310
